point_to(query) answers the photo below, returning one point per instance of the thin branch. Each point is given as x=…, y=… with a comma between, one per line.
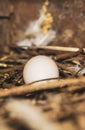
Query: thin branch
x=60, y=48
x=42, y=85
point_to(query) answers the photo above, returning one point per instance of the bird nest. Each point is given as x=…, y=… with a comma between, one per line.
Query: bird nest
x=42, y=105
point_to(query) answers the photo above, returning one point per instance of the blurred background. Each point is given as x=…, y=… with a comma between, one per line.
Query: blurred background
x=69, y=20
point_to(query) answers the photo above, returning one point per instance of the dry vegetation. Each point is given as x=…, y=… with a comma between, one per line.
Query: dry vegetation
x=56, y=104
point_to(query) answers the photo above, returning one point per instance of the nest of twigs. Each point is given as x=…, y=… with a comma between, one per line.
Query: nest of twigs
x=55, y=105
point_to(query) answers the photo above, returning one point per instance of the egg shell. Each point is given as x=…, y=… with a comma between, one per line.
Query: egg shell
x=40, y=68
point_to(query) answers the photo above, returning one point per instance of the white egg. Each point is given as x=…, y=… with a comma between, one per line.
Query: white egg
x=39, y=68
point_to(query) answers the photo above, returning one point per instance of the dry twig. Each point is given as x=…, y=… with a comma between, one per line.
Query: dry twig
x=42, y=85
x=60, y=48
